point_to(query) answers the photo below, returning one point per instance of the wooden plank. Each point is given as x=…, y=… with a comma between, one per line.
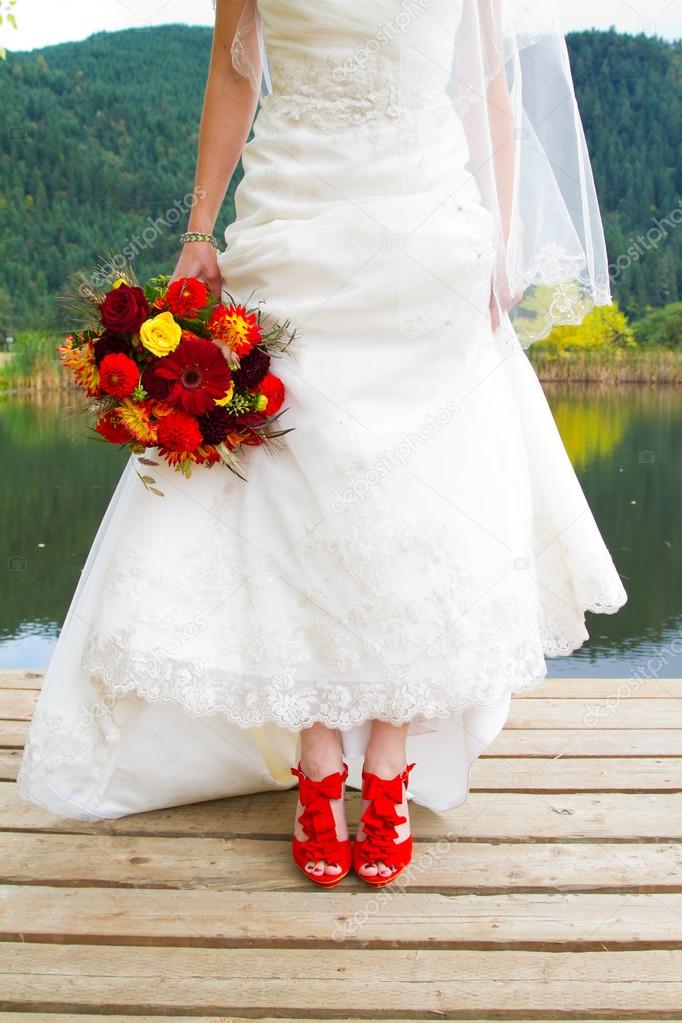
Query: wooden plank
x=80, y=978
x=17, y=704
x=592, y=742
x=89, y=1018
x=13, y=733
x=505, y=815
x=579, y=774
x=518, y=774
x=210, y=919
x=10, y=759
x=601, y=688
x=610, y=713
x=256, y=865
x=21, y=678
x=68, y=1017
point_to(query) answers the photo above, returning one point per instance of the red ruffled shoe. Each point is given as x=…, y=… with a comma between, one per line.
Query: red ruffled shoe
x=379, y=820
x=317, y=820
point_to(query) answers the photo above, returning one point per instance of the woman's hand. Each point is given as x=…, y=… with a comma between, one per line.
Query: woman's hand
x=505, y=302
x=200, y=259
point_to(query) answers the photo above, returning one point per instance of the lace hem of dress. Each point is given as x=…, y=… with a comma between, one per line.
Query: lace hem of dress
x=292, y=704
x=55, y=742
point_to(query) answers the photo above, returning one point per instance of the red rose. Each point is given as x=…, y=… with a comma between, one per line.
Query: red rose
x=118, y=375
x=124, y=309
x=273, y=389
x=112, y=430
x=187, y=296
x=179, y=431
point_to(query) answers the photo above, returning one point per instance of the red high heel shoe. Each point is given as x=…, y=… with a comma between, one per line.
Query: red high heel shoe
x=317, y=820
x=379, y=820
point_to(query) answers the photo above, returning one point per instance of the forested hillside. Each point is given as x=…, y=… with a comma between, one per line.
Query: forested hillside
x=99, y=141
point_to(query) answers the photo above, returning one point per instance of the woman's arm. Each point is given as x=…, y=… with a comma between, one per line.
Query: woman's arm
x=504, y=148
x=229, y=105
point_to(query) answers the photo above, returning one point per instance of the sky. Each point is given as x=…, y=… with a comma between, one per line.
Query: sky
x=43, y=22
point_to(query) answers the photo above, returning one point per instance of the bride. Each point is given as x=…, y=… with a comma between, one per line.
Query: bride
x=417, y=199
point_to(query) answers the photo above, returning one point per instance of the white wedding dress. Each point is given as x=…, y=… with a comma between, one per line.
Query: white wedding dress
x=418, y=546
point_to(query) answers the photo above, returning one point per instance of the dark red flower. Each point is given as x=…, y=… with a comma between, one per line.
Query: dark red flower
x=124, y=309
x=273, y=389
x=178, y=431
x=215, y=425
x=186, y=296
x=198, y=374
x=156, y=387
x=112, y=429
x=253, y=367
x=118, y=375
x=108, y=343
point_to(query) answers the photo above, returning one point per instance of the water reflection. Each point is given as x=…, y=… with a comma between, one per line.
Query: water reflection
x=625, y=443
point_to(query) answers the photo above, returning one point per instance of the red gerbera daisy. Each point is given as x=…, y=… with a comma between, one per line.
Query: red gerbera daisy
x=197, y=372
x=273, y=389
x=118, y=374
x=178, y=431
x=237, y=328
x=112, y=429
x=187, y=296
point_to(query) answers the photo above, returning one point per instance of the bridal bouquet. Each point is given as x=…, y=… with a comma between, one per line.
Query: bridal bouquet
x=169, y=367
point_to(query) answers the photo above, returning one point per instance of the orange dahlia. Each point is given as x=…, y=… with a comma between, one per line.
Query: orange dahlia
x=236, y=327
x=81, y=362
x=137, y=417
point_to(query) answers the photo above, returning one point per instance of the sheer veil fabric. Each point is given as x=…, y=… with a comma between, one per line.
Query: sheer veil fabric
x=504, y=66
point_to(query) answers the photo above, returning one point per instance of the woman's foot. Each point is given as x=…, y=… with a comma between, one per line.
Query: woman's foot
x=321, y=844
x=383, y=845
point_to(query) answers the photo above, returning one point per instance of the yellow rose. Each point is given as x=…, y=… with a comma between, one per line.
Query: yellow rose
x=117, y=283
x=227, y=398
x=161, y=334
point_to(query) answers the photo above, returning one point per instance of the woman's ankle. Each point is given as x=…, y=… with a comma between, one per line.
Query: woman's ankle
x=383, y=764
x=321, y=752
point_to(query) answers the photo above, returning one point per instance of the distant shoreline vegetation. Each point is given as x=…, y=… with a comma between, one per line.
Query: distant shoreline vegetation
x=605, y=348
x=95, y=159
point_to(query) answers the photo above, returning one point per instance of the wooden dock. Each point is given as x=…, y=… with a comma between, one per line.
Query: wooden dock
x=555, y=892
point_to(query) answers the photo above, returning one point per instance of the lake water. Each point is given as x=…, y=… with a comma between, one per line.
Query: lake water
x=625, y=443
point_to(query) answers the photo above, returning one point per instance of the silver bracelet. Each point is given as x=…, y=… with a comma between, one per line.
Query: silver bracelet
x=200, y=236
